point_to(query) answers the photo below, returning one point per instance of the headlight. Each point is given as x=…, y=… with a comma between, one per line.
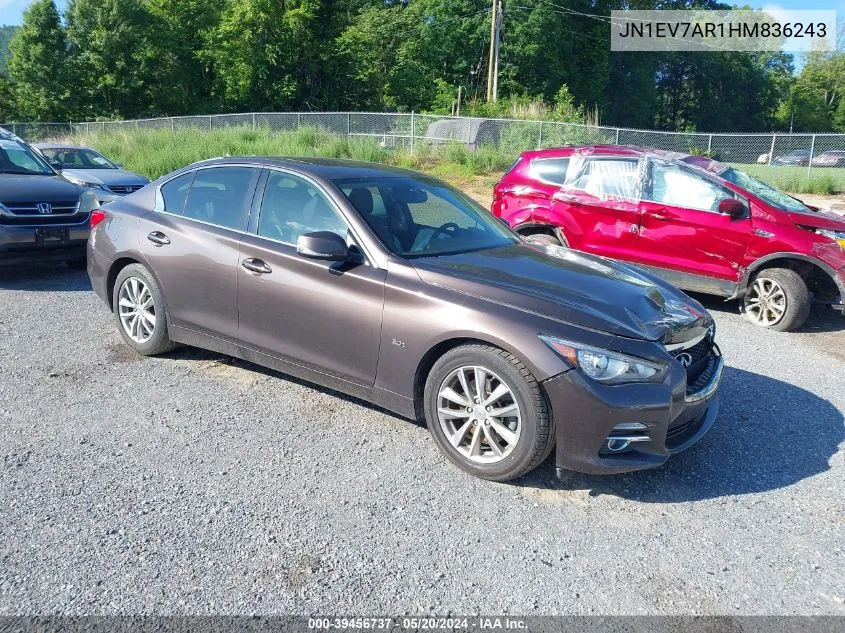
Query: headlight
x=87, y=202
x=87, y=185
x=836, y=236
x=604, y=366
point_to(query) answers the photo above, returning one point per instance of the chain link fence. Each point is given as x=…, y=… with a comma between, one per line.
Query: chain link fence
x=791, y=161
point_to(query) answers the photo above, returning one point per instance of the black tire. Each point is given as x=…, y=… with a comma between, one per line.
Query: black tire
x=795, y=292
x=158, y=342
x=543, y=238
x=536, y=438
x=77, y=263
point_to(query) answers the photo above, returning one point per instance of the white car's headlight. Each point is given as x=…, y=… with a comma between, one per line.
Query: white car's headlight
x=836, y=236
x=87, y=185
x=88, y=201
x=604, y=366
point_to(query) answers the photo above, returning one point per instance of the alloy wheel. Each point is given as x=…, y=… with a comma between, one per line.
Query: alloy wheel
x=479, y=415
x=765, y=302
x=137, y=310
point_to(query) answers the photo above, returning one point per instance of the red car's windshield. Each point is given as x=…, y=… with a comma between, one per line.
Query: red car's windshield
x=766, y=192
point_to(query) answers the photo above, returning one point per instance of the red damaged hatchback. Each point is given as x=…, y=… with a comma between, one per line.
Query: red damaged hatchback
x=700, y=224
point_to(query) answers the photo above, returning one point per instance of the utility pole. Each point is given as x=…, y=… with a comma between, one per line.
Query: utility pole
x=458, y=109
x=493, y=69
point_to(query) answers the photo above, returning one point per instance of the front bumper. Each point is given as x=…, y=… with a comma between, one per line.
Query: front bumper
x=41, y=243
x=671, y=415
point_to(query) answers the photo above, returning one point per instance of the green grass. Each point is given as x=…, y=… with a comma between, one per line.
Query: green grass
x=157, y=152
x=794, y=179
x=154, y=153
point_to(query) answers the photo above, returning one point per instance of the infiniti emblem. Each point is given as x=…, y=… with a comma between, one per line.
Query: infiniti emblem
x=45, y=208
x=685, y=359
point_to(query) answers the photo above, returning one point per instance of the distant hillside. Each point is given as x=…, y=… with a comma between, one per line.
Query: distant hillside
x=6, y=33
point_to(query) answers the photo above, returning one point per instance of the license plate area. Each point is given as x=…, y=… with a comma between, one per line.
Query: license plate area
x=49, y=236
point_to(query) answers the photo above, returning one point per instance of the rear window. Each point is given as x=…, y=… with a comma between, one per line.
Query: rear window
x=218, y=196
x=175, y=192
x=550, y=169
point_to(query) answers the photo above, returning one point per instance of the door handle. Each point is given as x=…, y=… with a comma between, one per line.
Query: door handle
x=254, y=265
x=158, y=238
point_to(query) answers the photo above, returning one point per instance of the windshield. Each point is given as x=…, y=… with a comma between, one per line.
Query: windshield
x=75, y=158
x=18, y=158
x=421, y=217
x=764, y=191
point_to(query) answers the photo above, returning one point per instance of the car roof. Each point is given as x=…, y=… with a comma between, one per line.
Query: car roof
x=328, y=168
x=627, y=151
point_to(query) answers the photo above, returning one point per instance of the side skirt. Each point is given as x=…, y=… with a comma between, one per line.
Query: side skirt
x=393, y=402
x=693, y=282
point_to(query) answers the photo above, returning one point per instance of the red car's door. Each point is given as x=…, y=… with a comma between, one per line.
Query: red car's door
x=683, y=233
x=598, y=208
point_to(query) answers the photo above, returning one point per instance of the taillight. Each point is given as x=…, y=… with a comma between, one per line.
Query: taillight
x=97, y=216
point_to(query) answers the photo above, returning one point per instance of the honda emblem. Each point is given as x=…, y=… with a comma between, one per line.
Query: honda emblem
x=45, y=208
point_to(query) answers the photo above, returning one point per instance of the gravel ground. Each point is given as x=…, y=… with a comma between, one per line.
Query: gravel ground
x=196, y=484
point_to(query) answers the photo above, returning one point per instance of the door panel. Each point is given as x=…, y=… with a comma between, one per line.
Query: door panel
x=197, y=271
x=682, y=229
x=599, y=208
x=324, y=315
x=195, y=258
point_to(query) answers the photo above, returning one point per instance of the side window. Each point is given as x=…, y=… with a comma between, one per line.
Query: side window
x=675, y=186
x=23, y=160
x=218, y=196
x=550, y=169
x=609, y=178
x=292, y=206
x=172, y=195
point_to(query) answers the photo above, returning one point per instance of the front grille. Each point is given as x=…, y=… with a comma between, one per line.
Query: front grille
x=695, y=358
x=124, y=189
x=44, y=220
x=28, y=209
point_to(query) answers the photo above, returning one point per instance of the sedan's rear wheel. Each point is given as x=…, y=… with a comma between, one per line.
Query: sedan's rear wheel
x=487, y=413
x=139, y=307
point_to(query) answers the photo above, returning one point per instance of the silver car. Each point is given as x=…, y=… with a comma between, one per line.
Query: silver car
x=88, y=168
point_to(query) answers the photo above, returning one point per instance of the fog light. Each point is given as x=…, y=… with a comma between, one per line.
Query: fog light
x=617, y=445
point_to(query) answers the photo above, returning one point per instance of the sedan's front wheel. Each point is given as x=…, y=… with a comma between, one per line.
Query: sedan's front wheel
x=487, y=413
x=139, y=308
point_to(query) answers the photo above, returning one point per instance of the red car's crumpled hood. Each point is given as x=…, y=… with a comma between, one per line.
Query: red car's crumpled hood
x=829, y=220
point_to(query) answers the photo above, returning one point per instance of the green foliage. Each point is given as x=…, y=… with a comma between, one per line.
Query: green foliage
x=6, y=33
x=38, y=68
x=138, y=58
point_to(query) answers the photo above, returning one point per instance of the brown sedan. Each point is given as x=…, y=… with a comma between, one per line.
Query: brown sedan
x=393, y=287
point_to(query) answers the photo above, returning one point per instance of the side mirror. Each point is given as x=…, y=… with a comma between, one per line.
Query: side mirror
x=118, y=165
x=732, y=207
x=56, y=166
x=323, y=245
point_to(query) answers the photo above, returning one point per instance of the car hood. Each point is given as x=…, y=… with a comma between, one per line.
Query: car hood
x=106, y=177
x=18, y=188
x=572, y=287
x=822, y=219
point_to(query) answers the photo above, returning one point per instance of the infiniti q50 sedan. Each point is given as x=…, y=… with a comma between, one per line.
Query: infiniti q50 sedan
x=395, y=288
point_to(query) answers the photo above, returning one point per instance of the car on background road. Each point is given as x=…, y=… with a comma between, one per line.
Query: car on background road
x=798, y=157
x=90, y=169
x=698, y=223
x=395, y=288
x=833, y=158
x=43, y=217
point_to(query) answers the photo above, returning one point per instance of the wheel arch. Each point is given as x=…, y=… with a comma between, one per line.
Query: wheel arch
x=798, y=262
x=443, y=346
x=118, y=265
x=533, y=228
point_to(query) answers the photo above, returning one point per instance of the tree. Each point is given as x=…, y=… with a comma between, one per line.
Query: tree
x=118, y=66
x=38, y=65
